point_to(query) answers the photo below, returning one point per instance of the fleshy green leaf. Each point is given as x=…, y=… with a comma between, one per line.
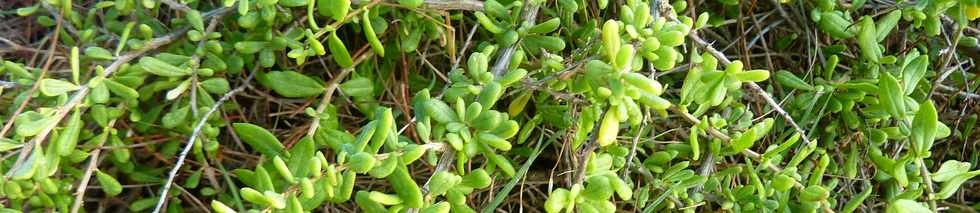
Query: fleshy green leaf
x=98, y=53
x=907, y=206
x=55, y=87
x=339, y=51
x=868, y=41
x=31, y=123
x=260, y=139
x=914, y=72
x=8, y=144
x=358, y=87
x=924, y=128
x=28, y=167
x=162, y=68
x=291, y=84
x=109, y=184
x=216, y=86
x=950, y=169
x=891, y=96
x=953, y=184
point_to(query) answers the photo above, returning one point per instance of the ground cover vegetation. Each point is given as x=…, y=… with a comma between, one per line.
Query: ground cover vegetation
x=490, y=106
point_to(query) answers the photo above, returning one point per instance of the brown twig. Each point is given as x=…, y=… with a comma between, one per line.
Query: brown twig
x=965, y=94
x=946, y=58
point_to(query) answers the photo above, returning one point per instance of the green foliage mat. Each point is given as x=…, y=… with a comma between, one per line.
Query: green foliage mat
x=492, y=106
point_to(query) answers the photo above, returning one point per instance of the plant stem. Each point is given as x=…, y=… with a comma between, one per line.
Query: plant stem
x=928, y=182
x=93, y=164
